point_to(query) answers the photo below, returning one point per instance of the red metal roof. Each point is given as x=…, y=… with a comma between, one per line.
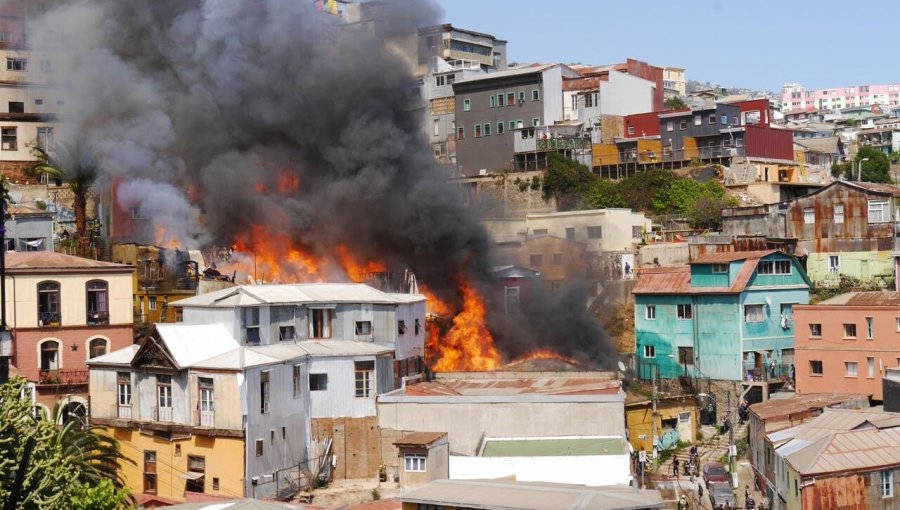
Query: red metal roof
x=873, y=298
x=49, y=261
x=877, y=187
x=663, y=280
x=420, y=438
x=677, y=280
x=782, y=407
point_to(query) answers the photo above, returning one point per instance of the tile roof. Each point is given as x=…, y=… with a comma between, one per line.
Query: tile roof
x=782, y=407
x=510, y=494
x=872, y=298
x=420, y=438
x=53, y=262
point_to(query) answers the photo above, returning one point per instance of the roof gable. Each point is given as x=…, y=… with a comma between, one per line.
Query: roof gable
x=154, y=354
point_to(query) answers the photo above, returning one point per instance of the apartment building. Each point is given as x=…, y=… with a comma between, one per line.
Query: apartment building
x=674, y=82
x=795, y=96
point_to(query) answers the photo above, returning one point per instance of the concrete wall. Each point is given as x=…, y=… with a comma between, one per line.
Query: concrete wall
x=863, y=265
x=466, y=423
x=618, y=231
x=666, y=254
x=590, y=470
x=624, y=94
x=22, y=298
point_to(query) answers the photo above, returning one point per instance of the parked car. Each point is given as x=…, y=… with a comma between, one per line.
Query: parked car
x=721, y=493
x=715, y=472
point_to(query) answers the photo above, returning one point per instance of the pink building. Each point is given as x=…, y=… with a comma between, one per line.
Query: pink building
x=796, y=97
x=844, y=344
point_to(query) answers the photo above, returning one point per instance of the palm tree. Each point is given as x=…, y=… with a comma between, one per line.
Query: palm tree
x=74, y=164
x=93, y=454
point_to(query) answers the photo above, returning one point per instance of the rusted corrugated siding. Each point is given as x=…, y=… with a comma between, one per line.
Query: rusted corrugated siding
x=764, y=142
x=845, y=492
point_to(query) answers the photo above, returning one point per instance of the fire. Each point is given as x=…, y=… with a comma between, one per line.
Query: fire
x=264, y=255
x=357, y=271
x=468, y=345
x=545, y=354
x=287, y=181
x=165, y=239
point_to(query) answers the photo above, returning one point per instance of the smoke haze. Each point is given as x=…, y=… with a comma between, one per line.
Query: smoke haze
x=195, y=109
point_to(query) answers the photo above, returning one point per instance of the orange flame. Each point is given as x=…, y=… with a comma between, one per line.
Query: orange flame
x=287, y=181
x=165, y=239
x=263, y=255
x=357, y=271
x=468, y=345
x=545, y=354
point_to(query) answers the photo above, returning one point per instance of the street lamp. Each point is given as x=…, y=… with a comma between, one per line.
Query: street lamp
x=859, y=168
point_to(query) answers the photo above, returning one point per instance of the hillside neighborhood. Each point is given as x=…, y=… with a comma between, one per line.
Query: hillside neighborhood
x=391, y=268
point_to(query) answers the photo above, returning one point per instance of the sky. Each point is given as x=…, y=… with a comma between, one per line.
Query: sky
x=759, y=44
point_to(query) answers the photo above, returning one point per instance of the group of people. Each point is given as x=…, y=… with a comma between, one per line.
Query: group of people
x=692, y=467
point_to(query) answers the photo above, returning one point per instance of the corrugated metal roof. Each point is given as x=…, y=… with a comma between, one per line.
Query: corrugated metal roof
x=677, y=280
x=519, y=386
x=508, y=494
x=873, y=298
x=121, y=356
x=730, y=256
x=865, y=449
x=242, y=504
x=800, y=403
x=824, y=144
x=420, y=438
x=519, y=71
x=250, y=295
x=192, y=343
x=24, y=261
x=876, y=187
x=553, y=447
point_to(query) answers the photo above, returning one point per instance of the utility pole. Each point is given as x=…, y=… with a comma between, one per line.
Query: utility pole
x=5, y=335
x=731, y=452
x=655, y=369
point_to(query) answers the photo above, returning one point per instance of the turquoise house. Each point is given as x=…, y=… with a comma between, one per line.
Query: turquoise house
x=727, y=316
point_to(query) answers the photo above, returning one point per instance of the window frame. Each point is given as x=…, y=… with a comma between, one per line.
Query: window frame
x=720, y=268
x=363, y=328
x=9, y=138
x=847, y=330
x=364, y=379
x=836, y=214
x=414, y=463
x=815, y=330
x=684, y=311
x=150, y=472
x=319, y=378
x=467, y=105
x=650, y=351
x=595, y=232
x=535, y=94
x=650, y=312
x=813, y=364
x=54, y=302
x=91, y=345
x=809, y=216
x=870, y=328
x=265, y=392
x=297, y=379
x=100, y=314
x=686, y=355
x=884, y=207
x=58, y=350
x=847, y=369
x=761, y=308
x=887, y=483
x=123, y=398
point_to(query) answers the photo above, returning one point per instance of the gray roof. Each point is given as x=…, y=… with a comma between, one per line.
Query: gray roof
x=553, y=447
x=519, y=71
x=255, y=295
x=513, y=495
x=824, y=144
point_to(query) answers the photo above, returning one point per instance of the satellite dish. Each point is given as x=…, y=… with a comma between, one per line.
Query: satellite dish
x=621, y=366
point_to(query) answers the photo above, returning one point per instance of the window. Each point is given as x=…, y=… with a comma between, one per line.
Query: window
x=512, y=124
x=879, y=210
x=440, y=81
x=4, y=36
x=712, y=118
x=418, y=327
x=207, y=401
x=264, y=392
x=511, y=99
x=685, y=355
x=363, y=327
x=97, y=347
x=196, y=472
x=521, y=96
x=250, y=322
x=460, y=133
x=401, y=327
x=512, y=298
x=720, y=268
x=684, y=312
x=467, y=105
x=815, y=367
x=477, y=130
x=150, y=472
x=48, y=304
x=754, y=313
x=849, y=330
x=16, y=64
x=649, y=351
x=152, y=302
x=365, y=378
x=436, y=127
x=570, y=233
x=501, y=100
x=123, y=384
x=630, y=130
x=492, y=101
x=774, y=267
x=50, y=355
x=8, y=137
x=215, y=483
x=871, y=362
x=97, y=302
x=535, y=95
x=650, y=312
x=26, y=244
x=724, y=120
x=870, y=328
x=16, y=107
x=595, y=232
x=298, y=385
x=137, y=214
x=536, y=121
x=815, y=330
x=852, y=368
x=682, y=125
x=486, y=129
x=887, y=484
x=698, y=120
x=809, y=216
x=557, y=259
x=259, y=447
x=500, y=128
x=670, y=126
x=838, y=213
x=318, y=382
x=535, y=260
x=414, y=463
x=834, y=264
x=320, y=322
x=287, y=333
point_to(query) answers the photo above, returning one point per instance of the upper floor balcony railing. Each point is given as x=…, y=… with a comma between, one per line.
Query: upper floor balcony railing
x=122, y=412
x=49, y=319
x=63, y=377
x=207, y=418
x=162, y=413
x=97, y=318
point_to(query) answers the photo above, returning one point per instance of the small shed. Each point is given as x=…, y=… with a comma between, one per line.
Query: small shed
x=424, y=456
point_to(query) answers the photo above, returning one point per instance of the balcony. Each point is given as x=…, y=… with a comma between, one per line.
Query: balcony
x=121, y=412
x=49, y=319
x=97, y=318
x=162, y=414
x=769, y=373
x=63, y=377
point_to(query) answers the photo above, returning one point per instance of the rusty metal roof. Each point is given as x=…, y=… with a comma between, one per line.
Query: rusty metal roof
x=420, y=438
x=731, y=256
x=783, y=407
x=52, y=262
x=678, y=280
x=873, y=298
x=865, y=449
x=565, y=386
x=876, y=187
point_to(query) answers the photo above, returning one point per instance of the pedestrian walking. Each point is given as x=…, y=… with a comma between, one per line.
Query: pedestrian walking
x=675, y=467
x=683, y=503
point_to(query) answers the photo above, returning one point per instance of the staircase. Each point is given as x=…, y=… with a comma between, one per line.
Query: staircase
x=709, y=450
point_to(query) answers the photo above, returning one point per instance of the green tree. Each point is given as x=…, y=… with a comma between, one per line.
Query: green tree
x=876, y=169
x=605, y=193
x=567, y=181
x=103, y=496
x=63, y=459
x=639, y=189
x=674, y=103
x=75, y=165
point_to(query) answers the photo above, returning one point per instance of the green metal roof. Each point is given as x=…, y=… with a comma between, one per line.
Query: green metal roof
x=559, y=447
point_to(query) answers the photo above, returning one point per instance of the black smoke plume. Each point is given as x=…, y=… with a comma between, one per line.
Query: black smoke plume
x=192, y=106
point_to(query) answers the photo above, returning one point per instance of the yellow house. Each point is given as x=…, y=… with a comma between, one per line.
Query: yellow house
x=676, y=420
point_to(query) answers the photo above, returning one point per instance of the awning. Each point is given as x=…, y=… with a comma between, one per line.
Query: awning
x=191, y=475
